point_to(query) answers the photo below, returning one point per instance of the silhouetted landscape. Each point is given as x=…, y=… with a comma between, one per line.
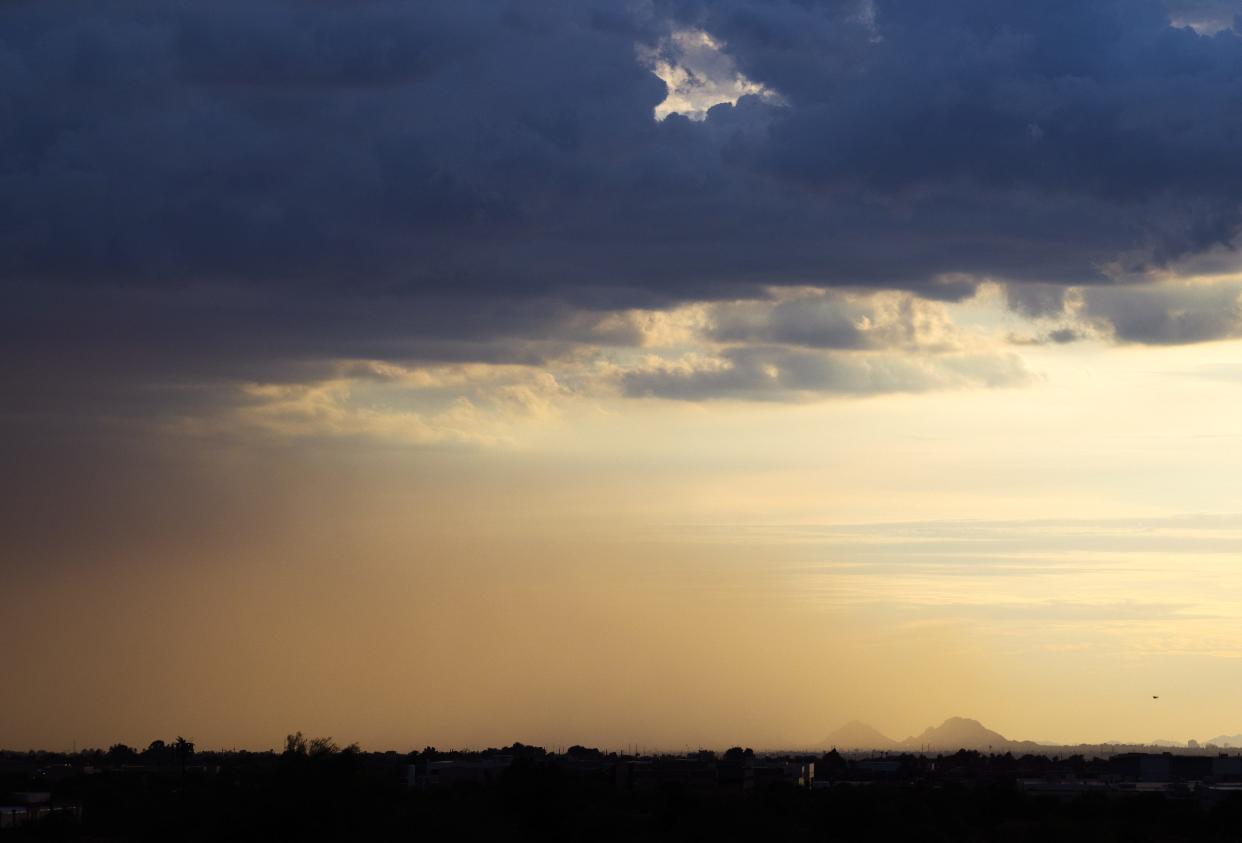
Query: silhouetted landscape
x=316, y=789
x=965, y=733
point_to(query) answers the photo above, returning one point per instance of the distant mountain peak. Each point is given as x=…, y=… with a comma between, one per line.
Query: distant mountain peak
x=858, y=735
x=957, y=723
x=953, y=734
x=1226, y=741
x=962, y=733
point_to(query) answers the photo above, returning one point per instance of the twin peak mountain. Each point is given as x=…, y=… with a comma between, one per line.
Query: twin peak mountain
x=954, y=733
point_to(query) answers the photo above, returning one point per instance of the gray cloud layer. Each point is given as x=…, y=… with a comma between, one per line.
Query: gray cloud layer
x=761, y=373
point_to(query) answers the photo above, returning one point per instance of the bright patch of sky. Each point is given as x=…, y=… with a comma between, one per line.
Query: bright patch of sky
x=699, y=74
x=1207, y=17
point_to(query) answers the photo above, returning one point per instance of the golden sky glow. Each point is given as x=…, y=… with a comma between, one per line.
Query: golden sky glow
x=582, y=567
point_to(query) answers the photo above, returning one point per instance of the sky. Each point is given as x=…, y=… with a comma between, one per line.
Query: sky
x=670, y=373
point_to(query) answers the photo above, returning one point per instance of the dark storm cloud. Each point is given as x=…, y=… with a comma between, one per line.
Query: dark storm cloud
x=334, y=144
x=1071, y=106
x=233, y=185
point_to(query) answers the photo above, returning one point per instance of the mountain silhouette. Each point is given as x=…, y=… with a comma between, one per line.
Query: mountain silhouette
x=858, y=735
x=953, y=734
x=1227, y=741
x=963, y=733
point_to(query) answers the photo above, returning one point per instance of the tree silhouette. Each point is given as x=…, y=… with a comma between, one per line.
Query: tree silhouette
x=295, y=744
x=184, y=749
x=319, y=747
x=120, y=753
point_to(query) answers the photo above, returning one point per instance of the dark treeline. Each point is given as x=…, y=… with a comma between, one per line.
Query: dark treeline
x=315, y=789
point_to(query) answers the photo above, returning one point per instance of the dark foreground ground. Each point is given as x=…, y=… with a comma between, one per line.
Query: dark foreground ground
x=357, y=796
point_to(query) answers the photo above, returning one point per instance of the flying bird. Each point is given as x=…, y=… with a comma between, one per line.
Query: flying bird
x=1155, y=696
